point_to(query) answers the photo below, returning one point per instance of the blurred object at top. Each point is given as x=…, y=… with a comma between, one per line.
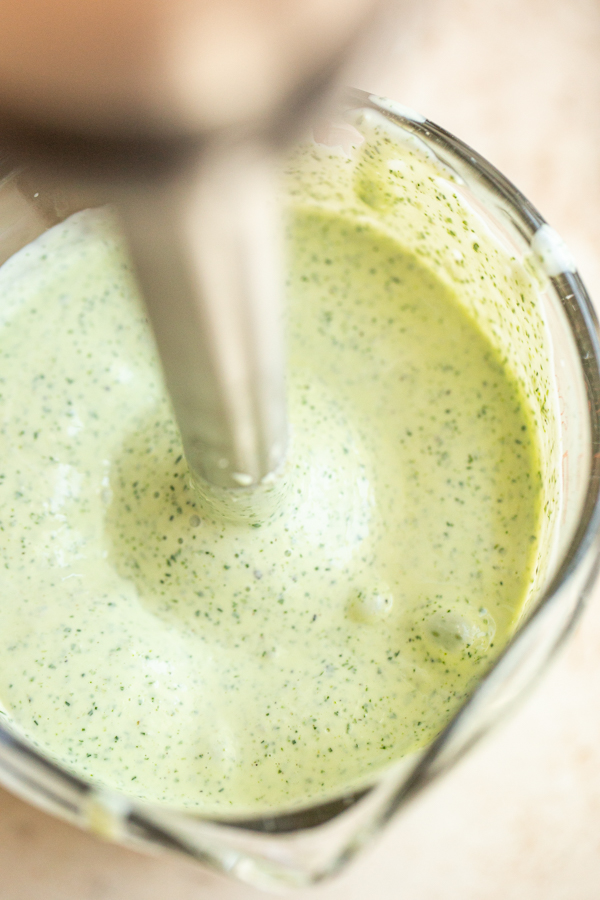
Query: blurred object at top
x=171, y=110
x=170, y=67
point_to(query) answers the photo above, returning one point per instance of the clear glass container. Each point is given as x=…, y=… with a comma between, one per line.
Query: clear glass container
x=304, y=846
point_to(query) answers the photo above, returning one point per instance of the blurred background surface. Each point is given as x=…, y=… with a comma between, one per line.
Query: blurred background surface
x=519, y=818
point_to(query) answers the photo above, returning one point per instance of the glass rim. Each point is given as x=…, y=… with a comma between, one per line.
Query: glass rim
x=583, y=323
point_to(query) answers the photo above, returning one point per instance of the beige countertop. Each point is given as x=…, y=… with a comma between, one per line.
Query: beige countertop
x=519, y=818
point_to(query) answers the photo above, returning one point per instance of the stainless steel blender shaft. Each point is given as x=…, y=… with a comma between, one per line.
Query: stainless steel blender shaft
x=107, y=94
x=206, y=244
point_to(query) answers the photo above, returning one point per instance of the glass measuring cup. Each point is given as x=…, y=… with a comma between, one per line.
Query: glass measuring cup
x=298, y=847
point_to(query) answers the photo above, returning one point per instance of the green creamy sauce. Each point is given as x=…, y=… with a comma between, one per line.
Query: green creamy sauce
x=157, y=648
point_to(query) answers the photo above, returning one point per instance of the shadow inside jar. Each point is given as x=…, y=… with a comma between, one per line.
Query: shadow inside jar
x=154, y=522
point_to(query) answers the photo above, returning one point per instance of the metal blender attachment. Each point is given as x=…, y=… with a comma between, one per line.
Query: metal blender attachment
x=174, y=111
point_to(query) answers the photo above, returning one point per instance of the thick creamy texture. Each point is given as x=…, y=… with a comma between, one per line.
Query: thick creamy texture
x=158, y=648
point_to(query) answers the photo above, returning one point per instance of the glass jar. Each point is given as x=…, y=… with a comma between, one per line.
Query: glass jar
x=301, y=847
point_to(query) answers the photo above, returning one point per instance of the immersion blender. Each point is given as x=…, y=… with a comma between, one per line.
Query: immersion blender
x=173, y=110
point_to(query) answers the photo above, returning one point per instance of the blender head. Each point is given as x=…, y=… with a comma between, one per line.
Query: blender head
x=174, y=114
